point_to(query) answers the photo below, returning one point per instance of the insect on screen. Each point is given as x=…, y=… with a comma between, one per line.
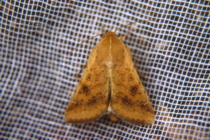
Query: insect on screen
x=43, y=58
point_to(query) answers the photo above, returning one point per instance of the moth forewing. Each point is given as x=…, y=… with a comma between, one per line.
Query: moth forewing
x=110, y=79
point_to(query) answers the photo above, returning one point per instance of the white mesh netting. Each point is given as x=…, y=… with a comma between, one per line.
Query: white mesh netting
x=169, y=43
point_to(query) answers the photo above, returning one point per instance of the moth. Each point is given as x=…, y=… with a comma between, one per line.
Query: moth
x=110, y=84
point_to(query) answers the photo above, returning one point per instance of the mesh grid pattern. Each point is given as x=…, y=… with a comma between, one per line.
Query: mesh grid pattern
x=39, y=64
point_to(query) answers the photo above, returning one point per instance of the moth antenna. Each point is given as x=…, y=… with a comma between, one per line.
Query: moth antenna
x=129, y=24
x=128, y=31
x=83, y=42
x=90, y=38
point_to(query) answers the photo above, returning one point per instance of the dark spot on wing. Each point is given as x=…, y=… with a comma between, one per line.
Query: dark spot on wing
x=133, y=90
x=92, y=101
x=99, y=94
x=88, y=77
x=130, y=77
x=85, y=89
x=127, y=101
x=143, y=105
x=146, y=106
x=150, y=109
x=118, y=94
x=74, y=105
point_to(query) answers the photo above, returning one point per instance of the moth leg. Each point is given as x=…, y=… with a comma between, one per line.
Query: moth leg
x=128, y=31
x=141, y=75
x=124, y=36
x=102, y=31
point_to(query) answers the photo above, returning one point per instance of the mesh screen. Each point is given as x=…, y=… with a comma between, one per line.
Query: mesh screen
x=39, y=65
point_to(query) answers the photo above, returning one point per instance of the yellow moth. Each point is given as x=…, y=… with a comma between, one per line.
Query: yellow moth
x=110, y=84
